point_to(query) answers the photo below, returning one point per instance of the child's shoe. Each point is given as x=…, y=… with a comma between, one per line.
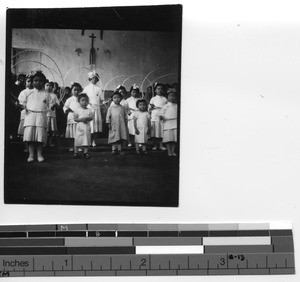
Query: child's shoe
x=121, y=153
x=162, y=148
x=30, y=160
x=154, y=148
x=76, y=156
x=87, y=156
x=40, y=159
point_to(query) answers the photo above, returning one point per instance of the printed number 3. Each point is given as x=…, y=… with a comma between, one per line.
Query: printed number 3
x=222, y=261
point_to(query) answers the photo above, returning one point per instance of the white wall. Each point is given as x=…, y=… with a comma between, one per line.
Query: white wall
x=120, y=54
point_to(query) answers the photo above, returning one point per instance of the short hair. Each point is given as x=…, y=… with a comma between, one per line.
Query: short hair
x=121, y=87
x=40, y=75
x=156, y=85
x=50, y=83
x=83, y=95
x=134, y=87
x=116, y=93
x=171, y=90
x=141, y=101
x=75, y=84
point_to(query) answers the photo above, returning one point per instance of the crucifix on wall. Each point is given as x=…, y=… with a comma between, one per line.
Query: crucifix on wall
x=92, y=51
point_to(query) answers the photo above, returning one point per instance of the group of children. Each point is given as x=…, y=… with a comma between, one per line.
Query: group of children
x=129, y=120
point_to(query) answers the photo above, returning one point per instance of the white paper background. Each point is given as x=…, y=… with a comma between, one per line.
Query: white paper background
x=240, y=142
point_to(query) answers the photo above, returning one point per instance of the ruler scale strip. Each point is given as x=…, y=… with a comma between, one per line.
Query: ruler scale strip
x=146, y=249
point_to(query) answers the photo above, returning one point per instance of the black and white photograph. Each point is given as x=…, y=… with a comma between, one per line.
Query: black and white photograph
x=92, y=106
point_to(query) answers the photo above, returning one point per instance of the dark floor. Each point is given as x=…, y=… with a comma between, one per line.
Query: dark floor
x=105, y=179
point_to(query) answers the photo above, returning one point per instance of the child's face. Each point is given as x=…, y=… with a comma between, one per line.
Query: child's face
x=142, y=106
x=94, y=80
x=38, y=83
x=117, y=99
x=134, y=93
x=159, y=90
x=28, y=83
x=149, y=90
x=76, y=91
x=48, y=87
x=172, y=98
x=83, y=102
x=67, y=92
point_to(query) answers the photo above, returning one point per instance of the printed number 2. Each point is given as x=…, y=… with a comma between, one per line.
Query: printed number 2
x=143, y=262
x=222, y=261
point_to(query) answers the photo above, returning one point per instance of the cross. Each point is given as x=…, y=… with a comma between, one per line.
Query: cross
x=92, y=36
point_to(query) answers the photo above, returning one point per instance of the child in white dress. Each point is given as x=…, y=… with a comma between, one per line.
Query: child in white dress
x=51, y=115
x=70, y=106
x=169, y=117
x=142, y=125
x=95, y=97
x=155, y=106
x=116, y=120
x=83, y=115
x=131, y=101
x=23, y=94
x=37, y=103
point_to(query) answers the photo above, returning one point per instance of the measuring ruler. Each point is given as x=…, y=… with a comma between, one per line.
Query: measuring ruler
x=146, y=249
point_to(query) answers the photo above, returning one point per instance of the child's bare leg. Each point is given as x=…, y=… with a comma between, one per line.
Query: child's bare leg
x=144, y=148
x=86, y=153
x=113, y=147
x=50, y=140
x=76, y=155
x=137, y=147
x=161, y=146
x=169, y=149
x=26, y=147
x=119, y=146
x=94, y=139
x=31, y=152
x=155, y=142
x=71, y=143
x=40, y=152
x=173, y=146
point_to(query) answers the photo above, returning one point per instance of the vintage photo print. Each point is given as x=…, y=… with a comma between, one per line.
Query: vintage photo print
x=92, y=106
